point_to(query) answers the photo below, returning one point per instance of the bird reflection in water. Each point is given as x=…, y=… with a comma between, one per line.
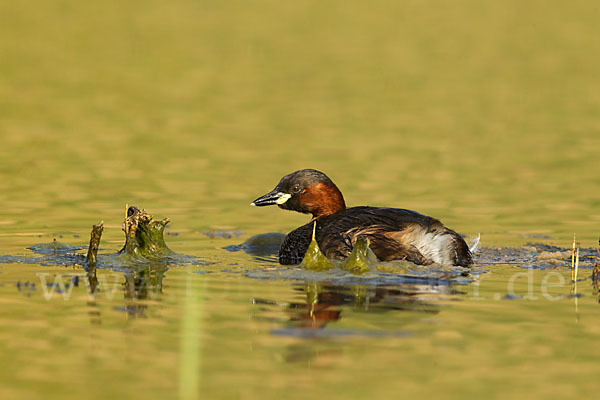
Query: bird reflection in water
x=324, y=303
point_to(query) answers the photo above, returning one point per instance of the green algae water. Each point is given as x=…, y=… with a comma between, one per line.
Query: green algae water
x=484, y=115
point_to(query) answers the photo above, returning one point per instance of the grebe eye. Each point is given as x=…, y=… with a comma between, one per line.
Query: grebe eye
x=296, y=188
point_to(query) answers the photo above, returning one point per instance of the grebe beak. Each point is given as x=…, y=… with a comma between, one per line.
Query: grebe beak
x=271, y=198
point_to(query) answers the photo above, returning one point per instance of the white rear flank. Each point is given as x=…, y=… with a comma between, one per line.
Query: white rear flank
x=440, y=247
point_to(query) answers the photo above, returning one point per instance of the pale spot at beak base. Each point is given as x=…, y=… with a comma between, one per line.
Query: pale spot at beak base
x=283, y=198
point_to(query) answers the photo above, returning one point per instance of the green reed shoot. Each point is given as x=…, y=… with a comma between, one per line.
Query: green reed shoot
x=573, y=259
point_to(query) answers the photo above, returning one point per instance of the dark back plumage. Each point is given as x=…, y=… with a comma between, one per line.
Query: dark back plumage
x=393, y=233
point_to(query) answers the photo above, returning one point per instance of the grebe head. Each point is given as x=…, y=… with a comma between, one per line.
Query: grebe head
x=307, y=191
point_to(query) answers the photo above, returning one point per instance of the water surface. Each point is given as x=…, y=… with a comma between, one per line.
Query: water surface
x=482, y=115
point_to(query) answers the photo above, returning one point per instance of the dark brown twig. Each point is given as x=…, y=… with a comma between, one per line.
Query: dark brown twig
x=92, y=254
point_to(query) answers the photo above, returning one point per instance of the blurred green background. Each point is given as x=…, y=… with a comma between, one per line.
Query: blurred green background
x=483, y=114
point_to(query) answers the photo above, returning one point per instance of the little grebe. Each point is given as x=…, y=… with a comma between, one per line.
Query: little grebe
x=394, y=234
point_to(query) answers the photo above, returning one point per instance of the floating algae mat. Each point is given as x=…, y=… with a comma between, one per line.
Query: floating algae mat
x=314, y=259
x=144, y=236
x=360, y=260
x=363, y=267
x=144, y=245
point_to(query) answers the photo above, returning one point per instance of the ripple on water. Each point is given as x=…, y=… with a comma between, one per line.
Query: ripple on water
x=264, y=249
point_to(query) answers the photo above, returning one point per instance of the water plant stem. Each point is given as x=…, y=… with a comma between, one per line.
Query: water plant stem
x=573, y=259
x=95, y=236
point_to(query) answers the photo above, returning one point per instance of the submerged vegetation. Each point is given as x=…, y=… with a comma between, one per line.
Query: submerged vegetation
x=360, y=261
x=314, y=259
x=144, y=236
x=144, y=257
